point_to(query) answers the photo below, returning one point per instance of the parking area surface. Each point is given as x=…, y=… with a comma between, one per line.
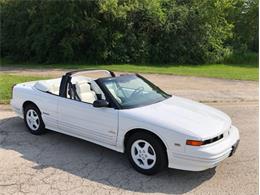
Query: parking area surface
x=58, y=164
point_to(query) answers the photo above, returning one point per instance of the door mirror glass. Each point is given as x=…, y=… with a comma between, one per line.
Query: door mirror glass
x=100, y=103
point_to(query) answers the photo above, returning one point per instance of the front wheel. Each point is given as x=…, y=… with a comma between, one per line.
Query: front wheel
x=33, y=120
x=146, y=153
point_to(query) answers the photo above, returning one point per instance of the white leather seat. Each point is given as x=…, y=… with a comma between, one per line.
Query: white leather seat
x=51, y=86
x=42, y=86
x=55, y=88
x=85, y=93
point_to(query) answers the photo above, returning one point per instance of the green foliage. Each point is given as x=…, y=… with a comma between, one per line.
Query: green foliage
x=125, y=31
x=242, y=58
x=244, y=17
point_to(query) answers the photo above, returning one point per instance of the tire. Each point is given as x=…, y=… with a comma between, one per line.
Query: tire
x=146, y=153
x=33, y=120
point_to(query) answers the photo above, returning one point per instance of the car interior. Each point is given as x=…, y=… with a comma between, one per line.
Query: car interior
x=81, y=88
x=51, y=86
x=84, y=92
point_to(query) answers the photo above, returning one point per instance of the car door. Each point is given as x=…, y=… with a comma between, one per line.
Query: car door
x=83, y=120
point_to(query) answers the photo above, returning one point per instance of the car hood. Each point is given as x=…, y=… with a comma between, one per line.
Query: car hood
x=184, y=116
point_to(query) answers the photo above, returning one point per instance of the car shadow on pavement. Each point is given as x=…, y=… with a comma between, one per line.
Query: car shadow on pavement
x=91, y=162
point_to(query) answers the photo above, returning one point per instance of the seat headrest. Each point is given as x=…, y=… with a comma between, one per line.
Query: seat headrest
x=42, y=86
x=83, y=87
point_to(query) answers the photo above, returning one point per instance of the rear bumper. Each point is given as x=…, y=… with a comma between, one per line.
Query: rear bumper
x=206, y=157
x=16, y=108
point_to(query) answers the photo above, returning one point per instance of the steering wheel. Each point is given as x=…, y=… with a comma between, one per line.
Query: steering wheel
x=137, y=91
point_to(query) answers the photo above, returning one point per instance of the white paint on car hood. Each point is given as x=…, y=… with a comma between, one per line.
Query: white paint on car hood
x=184, y=116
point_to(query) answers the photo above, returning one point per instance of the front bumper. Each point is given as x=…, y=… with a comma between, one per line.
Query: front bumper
x=208, y=156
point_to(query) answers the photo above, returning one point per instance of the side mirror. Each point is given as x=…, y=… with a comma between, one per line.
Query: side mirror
x=100, y=103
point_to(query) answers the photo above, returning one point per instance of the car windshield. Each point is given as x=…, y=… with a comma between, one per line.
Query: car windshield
x=132, y=91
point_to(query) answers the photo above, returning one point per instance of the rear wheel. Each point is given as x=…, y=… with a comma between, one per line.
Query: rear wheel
x=33, y=120
x=146, y=153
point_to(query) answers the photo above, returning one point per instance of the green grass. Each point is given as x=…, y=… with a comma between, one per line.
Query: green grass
x=6, y=83
x=224, y=71
x=240, y=66
x=236, y=66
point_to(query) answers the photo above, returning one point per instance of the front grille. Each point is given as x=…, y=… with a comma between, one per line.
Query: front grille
x=209, y=141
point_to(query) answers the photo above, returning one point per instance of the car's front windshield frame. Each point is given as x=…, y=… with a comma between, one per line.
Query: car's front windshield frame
x=101, y=82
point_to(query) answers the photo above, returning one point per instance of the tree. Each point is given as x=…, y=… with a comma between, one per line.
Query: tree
x=127, y=31
x=244, y=17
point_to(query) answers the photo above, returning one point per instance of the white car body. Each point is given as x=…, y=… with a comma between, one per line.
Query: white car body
x=173, y=120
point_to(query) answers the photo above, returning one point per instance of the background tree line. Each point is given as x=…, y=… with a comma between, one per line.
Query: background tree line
x=127, y=31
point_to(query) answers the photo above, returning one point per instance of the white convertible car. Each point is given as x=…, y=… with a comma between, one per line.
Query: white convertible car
x=128, y=113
